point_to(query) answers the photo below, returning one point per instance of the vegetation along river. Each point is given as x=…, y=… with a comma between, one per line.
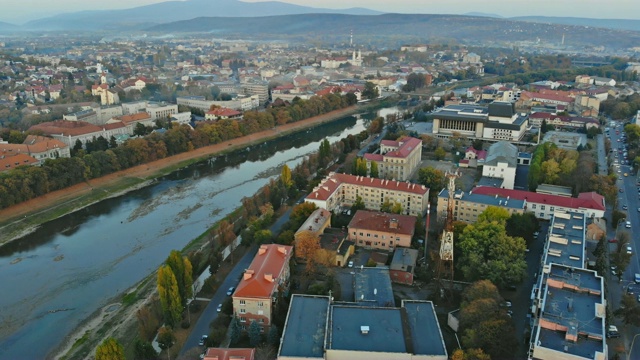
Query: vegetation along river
x=57, y=276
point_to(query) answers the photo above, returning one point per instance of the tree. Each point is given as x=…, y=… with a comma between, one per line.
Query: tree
x=143, y=350
x=370, y=90
x=262, y=236
x=307, y=245
x=183, y=271
x=432, y=178
x=166, y=339
x=493, y=213
x=440, y=153
x=254, y=334
x=522, y=225
x=482, y=289
x=373, y=172
x=169, y=295
x=470, y=354
x=285, y=176
x=235, y=331
x=273, y=338
x=629, y=310
x=487, y=252
x=357, y=205
x=110, y=349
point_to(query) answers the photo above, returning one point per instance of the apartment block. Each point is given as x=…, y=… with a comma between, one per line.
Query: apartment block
x=397, y=160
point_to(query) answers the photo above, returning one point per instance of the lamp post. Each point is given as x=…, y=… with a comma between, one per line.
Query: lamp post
x=631, y=348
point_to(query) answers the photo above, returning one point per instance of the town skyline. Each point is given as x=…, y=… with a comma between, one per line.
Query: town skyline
x=616, y=9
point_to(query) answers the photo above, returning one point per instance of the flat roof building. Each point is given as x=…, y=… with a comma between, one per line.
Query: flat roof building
x=373, y=287
x=305, y=329
x=468, y=205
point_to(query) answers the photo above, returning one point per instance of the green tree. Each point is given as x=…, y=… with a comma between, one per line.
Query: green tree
x=522, y=225
x=263, y=236
x=432, y=178
x=494, y=214
x=470, y=354
x=254, y=334
x=285, y=176
x=273, y=338
x=112, y=142
x=629, y=310
x=396, y=208
x=166, y=339
x=235, y=331
x=143, y=350
x=370, y=91
x=440, y=153
x=169, y=295
x=373, y=172
x=183, y=272
x=110, y=349
x=358, y=205
x=487, y=252
x=386, y=206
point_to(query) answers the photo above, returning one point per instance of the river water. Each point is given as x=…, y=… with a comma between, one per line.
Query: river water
x=59, y=275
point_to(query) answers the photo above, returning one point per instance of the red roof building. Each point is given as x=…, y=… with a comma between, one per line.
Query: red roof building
x=256, y=295
x=229, y=354
x=397, y=159
x=12, y=162
x=378, y=230
x=222, y=113
x=544, y=205
x=343, y=190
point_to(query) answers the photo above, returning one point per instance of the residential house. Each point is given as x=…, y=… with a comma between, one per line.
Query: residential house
x=403, y=265
x=377, y=230
x=39, y=148
x=267, y=276
x=222, y=113
x=473, y=158
x=397, y=160
x=11, y=162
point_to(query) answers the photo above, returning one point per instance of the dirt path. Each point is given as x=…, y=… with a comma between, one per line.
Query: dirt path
x=16, y=213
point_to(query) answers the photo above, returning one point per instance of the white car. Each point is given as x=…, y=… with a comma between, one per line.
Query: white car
x=629, y=250
x=628, y=225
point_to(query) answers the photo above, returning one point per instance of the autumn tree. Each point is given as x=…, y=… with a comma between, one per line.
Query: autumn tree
x=494, y=214
x=470, y=354
x=373, y=172
x=482, y=289
x=307, y=246
x=183, y=272
x=169, y=295
x=224, y=233
x=440, y=153
x=285, y=176
x=110, y=349
x=358, y=205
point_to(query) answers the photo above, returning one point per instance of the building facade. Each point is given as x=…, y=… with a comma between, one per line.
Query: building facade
x=397, y=160
x=337, y=190
x=381, y=231
x=501, y=163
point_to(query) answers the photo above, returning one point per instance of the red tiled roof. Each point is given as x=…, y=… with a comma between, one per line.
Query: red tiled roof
x=379, y=221
x=229, y=354
x=330, y=184
x=270, y=260
x=550, y=116
x=72, y=128
x=590, y=200
x=12, y=162
x=480, y=154
x=141, y=116
x=373, y=157
x=405, y=146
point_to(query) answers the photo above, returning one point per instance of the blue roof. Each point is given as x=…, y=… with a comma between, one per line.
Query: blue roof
x=385, y=332
x=373, y=287
x=304, y=330
x=426, y=336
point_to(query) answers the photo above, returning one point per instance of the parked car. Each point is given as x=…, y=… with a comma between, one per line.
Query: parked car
x=628, y=225
x=219, y=308
x=350, y=264
x=636, y=278
x=612, y=332
x=629, y=250
x=506, y=304
x=613, y=240
x=230, y=291
x=202, y=340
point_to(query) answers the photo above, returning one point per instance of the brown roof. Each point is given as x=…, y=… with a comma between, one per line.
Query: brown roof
x=141, y=116
x=259, y=280
x=71, y=128
x=229, y=354
x=32, y=145
x=379, y=221
x=12, y=162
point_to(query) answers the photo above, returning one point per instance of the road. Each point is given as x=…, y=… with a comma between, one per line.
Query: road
x=629, y=198
x=201, y=327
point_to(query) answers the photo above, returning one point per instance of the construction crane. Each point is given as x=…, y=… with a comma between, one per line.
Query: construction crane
x=445, y=260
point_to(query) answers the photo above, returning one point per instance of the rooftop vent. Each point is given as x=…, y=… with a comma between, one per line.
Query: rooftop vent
x=364, y=330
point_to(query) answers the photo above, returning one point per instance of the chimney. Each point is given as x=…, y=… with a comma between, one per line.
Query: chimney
x=268, y=277
x=393, y=224
x=262, y=250
x=247, y=274
x=282, y=249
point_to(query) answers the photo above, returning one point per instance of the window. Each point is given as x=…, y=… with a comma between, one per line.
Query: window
x=243, y=302
x=260, y=304
x=533, y=206
x=541, y=207
x=243, y=319
x=243, y=311
x=551, y=208
x=261, y=321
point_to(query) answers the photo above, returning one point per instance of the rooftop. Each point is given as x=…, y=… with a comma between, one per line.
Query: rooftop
x=502, y=152
x=331, y=239
x=565, y=244
x=384, y=329
x=229, y=354
x=588, y=200
x=260, y=279
x=403, y=147
x=573, y=313
x=426, y=336
x=305, y=328
x=373, y=287
x=404, y=259
x=490, y=200
x=380, y=221
x=333, y=181
x=316, y=221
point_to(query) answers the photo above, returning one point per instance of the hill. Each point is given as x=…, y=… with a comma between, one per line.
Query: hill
x=4, y=26
x=169, y=11
x=469, y=29
x=620, y=24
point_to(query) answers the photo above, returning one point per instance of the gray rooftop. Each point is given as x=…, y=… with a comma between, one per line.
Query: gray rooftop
x=565, y=243
x=502, y=151
x=573, y=313
x=490, y=181
x=426, y=336
x=554, y=189
x=373, y=287
x=385, y=329
x=404, y=259
x=305, y=328
x=502, y=109
x=490, y=200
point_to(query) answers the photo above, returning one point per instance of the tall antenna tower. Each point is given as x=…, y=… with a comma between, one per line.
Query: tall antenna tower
x=351, y=39
x=445, y=261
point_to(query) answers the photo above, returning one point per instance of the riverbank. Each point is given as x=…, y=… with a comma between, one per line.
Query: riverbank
x=24, y=218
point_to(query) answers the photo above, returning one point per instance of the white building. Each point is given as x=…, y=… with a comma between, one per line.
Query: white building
x=501, y=162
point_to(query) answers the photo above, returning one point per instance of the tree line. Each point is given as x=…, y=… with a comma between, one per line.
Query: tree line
x=28, y=182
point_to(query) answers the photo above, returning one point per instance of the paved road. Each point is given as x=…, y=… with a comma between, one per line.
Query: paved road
x=201, y=327
x=602, y=155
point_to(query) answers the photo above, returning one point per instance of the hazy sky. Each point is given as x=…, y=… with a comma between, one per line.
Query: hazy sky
x=23, y=10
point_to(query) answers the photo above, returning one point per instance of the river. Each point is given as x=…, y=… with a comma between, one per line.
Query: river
x=57, y=276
